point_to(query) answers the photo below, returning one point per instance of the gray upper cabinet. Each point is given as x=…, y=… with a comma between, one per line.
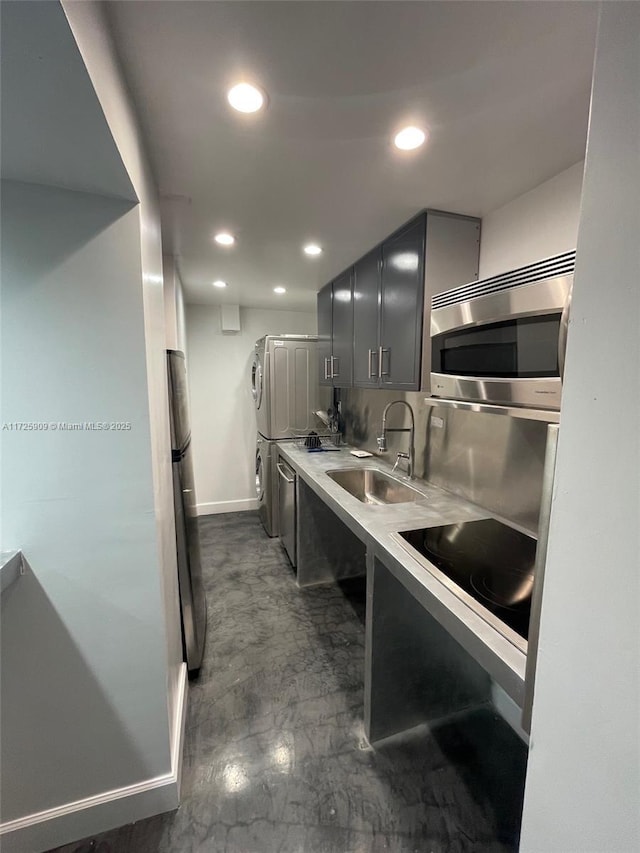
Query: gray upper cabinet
x=388, y=293
x=325, y=304
x=342, y=331
x=401, y=307
x=366, y=290
x=452, y=258
x=387, y=311
x=335, y=331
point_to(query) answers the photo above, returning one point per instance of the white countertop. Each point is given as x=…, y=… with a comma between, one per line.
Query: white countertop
x=374, y=525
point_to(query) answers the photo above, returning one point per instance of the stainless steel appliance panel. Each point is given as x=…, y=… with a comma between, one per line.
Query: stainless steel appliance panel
x=541, y=559
x=502, y=340
x=261, y=399
x=286, y=393
x=539, y=393
x=487, y=458
x=292, y=386
x=494, y=461
x=529, y=300
x=191, y=587
x=284, y=385
x=267, y=485
x=287, y=508
x=264, y=486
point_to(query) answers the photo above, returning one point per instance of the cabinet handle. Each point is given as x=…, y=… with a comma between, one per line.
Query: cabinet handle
x=334, y=375
x=326, y=369
x=381, y=352
x=372, y=373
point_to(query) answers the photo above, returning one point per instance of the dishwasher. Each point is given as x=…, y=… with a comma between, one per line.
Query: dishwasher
x=287, y=507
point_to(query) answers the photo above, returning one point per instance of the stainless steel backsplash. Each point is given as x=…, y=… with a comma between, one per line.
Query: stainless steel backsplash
x=492, y=460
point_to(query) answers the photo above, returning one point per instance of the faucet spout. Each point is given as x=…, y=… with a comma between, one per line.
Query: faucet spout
x=382, y=438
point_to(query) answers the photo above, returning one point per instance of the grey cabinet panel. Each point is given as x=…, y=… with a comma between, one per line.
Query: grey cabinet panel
x=401, y=306
x=391, y=295
x=452, y=258
x=325, y=307
x=342, y=330
x=366, y=291
x=452, y=251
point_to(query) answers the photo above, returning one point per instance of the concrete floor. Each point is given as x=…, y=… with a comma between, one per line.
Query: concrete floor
x=275, y=757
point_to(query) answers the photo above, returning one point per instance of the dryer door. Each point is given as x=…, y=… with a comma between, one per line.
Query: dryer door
x=256, y=380
x=260, y=475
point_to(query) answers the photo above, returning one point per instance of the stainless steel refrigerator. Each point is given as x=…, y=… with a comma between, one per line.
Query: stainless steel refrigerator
x=193, y=604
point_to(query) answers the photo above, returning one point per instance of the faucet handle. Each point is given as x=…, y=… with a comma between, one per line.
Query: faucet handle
x=400, y=455
x=382, y=443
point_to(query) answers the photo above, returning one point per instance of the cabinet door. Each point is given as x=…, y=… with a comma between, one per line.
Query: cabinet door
x=366, y=290
x=325, y=301
x=402, y=306
x=342, y=331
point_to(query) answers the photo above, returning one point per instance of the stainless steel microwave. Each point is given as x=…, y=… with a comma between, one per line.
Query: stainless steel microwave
x=502, y=340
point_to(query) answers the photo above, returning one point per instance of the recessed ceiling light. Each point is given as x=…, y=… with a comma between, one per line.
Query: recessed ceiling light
x=279, y=290
x=245, y=98
x=219, y=283
x=225, y=239
x=409, y=138
x=312, y=249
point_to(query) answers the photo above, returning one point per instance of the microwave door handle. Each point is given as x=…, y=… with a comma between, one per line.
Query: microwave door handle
x=562, y=335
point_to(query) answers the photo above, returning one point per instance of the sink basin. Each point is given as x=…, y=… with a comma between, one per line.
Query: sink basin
x=372, y=486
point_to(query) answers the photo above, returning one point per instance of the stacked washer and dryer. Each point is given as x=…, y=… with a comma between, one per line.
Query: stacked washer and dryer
x=284, y=385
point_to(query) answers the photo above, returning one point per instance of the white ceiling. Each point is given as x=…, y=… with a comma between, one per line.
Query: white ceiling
x=53, y=128
x=503, y=88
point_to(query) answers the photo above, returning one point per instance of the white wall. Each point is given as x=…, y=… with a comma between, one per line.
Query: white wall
x=174, y=310
x=181, y=317
x=583, y=781
x=84, y=706
x=92, y=34
x=222, y=409
x=91, y=636
x=536, y=225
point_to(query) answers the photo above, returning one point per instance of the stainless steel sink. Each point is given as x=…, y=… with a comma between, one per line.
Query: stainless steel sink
x=372, y=486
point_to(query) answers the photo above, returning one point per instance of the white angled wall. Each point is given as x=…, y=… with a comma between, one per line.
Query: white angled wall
x=535, y=225
x=92, y=34
x=583, y=780
x=222, y=409
x=93, y=678
x=84, y=695
x=174, y=308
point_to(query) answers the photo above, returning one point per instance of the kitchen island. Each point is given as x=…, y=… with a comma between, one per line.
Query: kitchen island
x=428, y=654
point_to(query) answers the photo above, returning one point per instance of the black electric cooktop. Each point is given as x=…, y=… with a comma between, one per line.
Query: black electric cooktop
x=491, y=562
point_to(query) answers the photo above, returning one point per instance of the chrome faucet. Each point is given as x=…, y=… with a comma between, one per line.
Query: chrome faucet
x=382, y=438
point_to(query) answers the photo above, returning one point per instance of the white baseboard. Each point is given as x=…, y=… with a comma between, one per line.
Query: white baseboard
x=107, y=810
x=216, y=507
